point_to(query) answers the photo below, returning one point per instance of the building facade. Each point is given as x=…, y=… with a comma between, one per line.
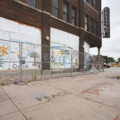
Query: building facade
x=53, y=24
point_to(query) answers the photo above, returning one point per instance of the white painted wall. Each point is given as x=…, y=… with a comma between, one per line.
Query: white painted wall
x=86, y=56
x=86, y=48
x=61, y=37
x=62, y=45
x=15, y=31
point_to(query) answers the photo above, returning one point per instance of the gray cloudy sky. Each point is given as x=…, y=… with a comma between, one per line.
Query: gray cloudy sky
x=111, y=47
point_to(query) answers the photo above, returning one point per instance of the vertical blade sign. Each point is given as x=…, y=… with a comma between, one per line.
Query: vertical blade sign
x=106, y=14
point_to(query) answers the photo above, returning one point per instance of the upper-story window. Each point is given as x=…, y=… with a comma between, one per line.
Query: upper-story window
x=95, y=4
x=65, y=12
x=56, y=8
x=73, y=16
x=86, y=1
x=91, y=2
x=95, y=28
x=86, y=23
x=91, y=25
x=31, y=3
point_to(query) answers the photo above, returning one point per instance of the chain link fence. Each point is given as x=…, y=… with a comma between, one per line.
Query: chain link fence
x=23, y=62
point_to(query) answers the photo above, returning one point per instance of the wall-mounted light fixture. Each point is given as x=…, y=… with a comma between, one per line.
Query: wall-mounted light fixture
x=47, y=38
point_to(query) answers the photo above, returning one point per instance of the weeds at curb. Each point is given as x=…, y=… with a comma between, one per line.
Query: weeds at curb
x=118, y=77
x=4, y=83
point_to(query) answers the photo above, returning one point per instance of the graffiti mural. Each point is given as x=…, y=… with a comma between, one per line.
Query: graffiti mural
x=60, y=57
x=64, y=57
x=32, y=55
x=4, y=54
x=64, y=50
x=9, y=55
x=10, y=39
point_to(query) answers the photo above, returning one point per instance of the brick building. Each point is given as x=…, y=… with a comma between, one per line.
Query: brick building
x=76, y=23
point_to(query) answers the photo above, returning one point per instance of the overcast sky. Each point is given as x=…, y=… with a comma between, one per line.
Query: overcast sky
x=111, y=46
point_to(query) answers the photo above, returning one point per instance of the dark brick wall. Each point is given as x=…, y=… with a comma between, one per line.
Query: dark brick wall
x=21, y=13
x=45, y=43
x=91, y=12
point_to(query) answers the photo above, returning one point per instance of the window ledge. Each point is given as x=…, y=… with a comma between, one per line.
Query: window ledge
x=91, y=7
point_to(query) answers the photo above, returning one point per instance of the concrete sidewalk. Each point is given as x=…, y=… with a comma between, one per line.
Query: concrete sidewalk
x=85, y=97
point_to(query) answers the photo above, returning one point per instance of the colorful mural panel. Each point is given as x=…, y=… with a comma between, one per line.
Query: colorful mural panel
x=64, y=50
x=15, y=37
x=4, y=54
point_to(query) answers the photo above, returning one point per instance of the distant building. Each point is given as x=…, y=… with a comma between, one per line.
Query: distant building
x=52, y=24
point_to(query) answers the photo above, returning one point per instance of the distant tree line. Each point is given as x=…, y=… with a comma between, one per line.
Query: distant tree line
x=119, y=59
x=108, y=59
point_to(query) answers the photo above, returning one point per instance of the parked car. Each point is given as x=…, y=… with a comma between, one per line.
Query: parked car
x=106, y=65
